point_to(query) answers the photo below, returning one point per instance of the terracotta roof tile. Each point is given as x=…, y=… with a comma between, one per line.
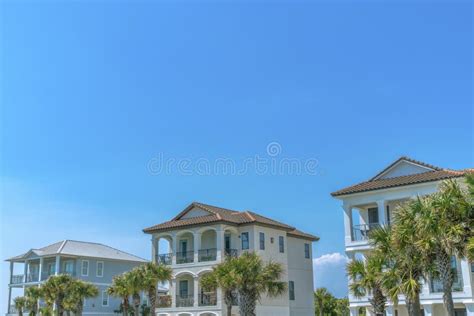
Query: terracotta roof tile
x=218, y=214
x=378, y=184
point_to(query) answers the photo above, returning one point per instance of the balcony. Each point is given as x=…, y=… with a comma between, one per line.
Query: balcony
x=165, y=259
x=17, y=279
x=185, y=257
x=207, y=255
x=163, y=301
x=362, y=232
x=184, y=301
x=209, y=299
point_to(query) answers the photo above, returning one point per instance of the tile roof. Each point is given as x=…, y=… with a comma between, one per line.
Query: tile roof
x=80, y=249
x=436, y=174
x=222, y=215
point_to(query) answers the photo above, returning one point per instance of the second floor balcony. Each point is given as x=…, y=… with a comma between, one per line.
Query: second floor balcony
x=202, y=244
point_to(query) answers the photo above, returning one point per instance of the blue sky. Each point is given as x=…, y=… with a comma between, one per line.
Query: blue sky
x=92, y=91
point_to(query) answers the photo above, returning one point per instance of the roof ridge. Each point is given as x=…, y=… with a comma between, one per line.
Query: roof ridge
x=249, y=214
x=62, y=246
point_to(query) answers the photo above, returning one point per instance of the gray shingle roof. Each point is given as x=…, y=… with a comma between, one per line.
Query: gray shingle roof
x=81, y=249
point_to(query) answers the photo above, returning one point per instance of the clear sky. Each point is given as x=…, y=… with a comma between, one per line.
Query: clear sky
x=93, y=91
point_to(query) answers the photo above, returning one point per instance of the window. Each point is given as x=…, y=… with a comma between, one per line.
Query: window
x=373, y=215
x=472, y=267
x=388, y=215
x=105, y=298
x=281, y=244
x=100, y=269
x=306, y=251
x=291, y=290
x=51, y=268
x=245, y=241
x=183, y=288
x=85, y=268
x=262, y=241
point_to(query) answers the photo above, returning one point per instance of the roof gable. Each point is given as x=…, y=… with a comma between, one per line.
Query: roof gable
x=195, y=212
x=404, y=166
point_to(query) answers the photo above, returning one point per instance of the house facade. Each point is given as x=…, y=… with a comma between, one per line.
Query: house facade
x=90, y=262
x=372, y=203
x=201, y=236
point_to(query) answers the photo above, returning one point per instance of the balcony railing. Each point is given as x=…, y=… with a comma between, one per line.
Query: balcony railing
x=361, y=232
x=165, y=258
x=163, y=301
x=184, y=301
x=231, y=252
x=184, y=257
x=32, y=277
x=207, y=254
x=209, y=299
x=17, y=279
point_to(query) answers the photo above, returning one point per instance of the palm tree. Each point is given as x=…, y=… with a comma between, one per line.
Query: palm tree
x=20, y=304
x=366, y=276
x=134, y=282
x=120, y=289
x=404, y=267
x=253, y=279
x=32, y=295
x=79, y=291
x=222, y=277
x=321, y=299
x=152, y=274
x=444, y=227
x=56, y=289
x=470, y=249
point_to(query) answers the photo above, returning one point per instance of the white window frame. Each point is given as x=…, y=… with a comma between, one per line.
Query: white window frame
x=103, y=296
x=82, y=268
x=261, y=241
x=97, y=269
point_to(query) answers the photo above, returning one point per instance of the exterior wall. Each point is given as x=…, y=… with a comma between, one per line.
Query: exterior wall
x=300, y=270
x=111, y=269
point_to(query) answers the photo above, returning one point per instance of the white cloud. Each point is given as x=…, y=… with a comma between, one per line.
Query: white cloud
x=330, y=272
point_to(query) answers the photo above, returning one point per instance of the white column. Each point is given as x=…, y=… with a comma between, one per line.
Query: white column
x=425, y=287
x=353, y=311
x=348, y=223
x=9, y=299
x=25, y=272
x=428, y=309
x=219, y=299
x=174, y=250
x=466, y=278
x=196, y=292
x=390, y=311
x=220, y=244
x=470, y=309
x=173, y=292
x=40, y=269
x=154, y=249
x=11, y=271
x=56, y=267
x=197, y=246
x=381, y=205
